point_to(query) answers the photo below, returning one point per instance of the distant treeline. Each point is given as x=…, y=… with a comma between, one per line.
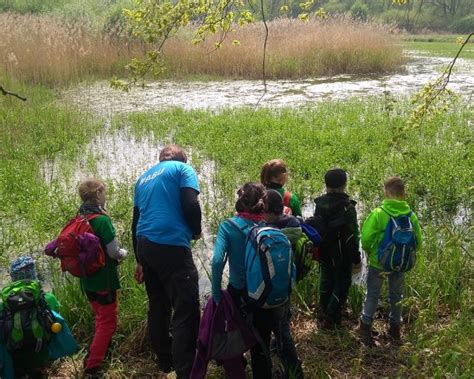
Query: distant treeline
x=410, y=15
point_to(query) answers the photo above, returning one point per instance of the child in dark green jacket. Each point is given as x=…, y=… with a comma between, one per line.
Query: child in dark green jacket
x=335, y=218
x=373, y=231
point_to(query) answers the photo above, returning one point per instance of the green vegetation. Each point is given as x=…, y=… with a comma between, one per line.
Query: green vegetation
x=415, y=15
x=42, y=141
x=366, y=138
x=438, y=45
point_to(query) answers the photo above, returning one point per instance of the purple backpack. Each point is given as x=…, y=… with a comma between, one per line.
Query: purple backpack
x=223, y=334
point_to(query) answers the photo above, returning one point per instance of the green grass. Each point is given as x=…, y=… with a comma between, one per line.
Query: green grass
x=361, y=136
x=438, y=45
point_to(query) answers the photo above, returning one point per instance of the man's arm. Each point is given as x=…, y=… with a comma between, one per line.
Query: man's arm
x=136, y=215
x=191, y=209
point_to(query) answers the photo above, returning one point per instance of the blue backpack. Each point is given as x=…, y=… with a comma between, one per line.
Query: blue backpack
x=269, y=267
x=397, y=251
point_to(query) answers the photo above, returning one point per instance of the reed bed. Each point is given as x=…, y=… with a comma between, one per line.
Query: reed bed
x=47, y=50
x=295, y=49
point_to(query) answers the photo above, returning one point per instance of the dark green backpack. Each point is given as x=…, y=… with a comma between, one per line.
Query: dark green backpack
x=26, y=316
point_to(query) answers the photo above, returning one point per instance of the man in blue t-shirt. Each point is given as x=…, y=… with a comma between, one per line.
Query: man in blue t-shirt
x=166, y=217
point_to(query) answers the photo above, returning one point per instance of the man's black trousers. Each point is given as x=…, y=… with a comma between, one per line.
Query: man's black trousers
x=171, y=281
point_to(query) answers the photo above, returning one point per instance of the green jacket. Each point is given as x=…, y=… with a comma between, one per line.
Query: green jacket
x=374, y=227
x=106, y=278
x=295, y=203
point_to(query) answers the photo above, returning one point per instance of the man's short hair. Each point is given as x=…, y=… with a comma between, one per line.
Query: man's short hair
x=394, y=186
x=173, y=153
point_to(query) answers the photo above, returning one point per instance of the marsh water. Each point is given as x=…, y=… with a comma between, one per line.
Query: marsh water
x=215, y=95
x=123, y=156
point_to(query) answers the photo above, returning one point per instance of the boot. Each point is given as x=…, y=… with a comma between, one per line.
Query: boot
x=365, y=334
x=93, y=373
x=394, y=332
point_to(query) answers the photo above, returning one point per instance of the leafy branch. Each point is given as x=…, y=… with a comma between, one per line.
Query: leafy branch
x=434, y=97
x=155, y=21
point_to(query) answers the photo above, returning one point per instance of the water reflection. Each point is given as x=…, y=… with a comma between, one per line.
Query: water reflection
x=215, y=95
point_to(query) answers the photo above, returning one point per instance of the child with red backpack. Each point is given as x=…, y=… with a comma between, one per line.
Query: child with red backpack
x=274, y=175
x=101, y=287
x=99, y=277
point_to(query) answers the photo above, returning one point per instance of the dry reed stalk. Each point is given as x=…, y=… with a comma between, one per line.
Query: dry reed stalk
x=46, y=50
x=295, y=49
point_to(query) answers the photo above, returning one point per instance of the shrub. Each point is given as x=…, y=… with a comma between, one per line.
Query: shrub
x=28, y=6
x=335, y=8
x=359, y=11
x=463, y=25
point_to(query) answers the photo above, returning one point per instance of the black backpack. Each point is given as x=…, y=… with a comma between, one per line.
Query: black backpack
x=335, y=233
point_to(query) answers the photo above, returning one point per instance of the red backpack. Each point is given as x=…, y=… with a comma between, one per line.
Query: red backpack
x=78, y=248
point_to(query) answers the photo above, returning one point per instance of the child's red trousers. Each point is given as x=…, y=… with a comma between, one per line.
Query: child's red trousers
x=105, y=326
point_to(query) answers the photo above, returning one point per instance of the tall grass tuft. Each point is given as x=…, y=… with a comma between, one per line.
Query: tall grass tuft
x=48, y=50
x=295, y=49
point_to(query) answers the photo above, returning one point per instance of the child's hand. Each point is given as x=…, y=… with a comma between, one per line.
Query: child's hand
x=122, y=255
x=139, y=274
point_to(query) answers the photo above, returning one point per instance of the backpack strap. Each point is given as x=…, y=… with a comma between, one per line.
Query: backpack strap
x=391, y=216
x=286, y=198
x=91, y=216
x=242, y=228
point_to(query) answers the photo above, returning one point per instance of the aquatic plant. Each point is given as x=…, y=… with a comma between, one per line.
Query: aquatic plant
x=357, y=135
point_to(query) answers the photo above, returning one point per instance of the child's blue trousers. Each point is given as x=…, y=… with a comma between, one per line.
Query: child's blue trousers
x=375, y=280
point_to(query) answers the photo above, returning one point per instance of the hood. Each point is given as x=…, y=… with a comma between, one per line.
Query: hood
x=395, y=207
x=330, y=203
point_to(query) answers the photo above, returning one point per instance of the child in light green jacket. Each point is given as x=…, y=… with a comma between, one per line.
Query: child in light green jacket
x=372, y=234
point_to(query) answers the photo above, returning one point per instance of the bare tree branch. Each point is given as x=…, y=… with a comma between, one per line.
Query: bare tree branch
x=264, y=55
x=449, y=69
x=436, y=89
x=5, y=92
